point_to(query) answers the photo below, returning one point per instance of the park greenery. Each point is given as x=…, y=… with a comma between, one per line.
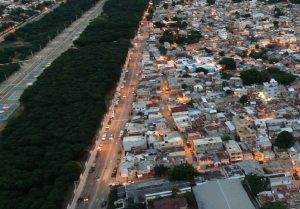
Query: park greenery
x=256, y=183
x=41, y=149
x=284, y=140
x=37, y=34
x=253, y=76
x=8, y=69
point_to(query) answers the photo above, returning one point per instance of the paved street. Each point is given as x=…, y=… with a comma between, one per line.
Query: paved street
x=97, y=184
x=13, y=87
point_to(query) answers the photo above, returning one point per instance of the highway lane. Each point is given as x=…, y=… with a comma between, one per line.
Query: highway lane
x=33, y=67
x=97, y=189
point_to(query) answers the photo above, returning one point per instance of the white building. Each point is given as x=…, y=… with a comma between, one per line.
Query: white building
x=172, y=139
x=207, y=144
x=223, y=34
x=234, y=151
x=130, y=142
x=271, y=89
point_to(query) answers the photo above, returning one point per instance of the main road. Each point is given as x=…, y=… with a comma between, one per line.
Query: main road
x=12, y=88
x=97, y=183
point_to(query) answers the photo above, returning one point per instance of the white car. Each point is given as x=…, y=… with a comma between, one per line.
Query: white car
x=111, y=137
x=103, y=137
x=112, y=184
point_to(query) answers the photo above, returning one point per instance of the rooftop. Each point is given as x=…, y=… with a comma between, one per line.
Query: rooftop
x=222, y=194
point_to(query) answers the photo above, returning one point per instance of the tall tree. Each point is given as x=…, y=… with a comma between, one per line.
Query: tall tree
x=284, y=140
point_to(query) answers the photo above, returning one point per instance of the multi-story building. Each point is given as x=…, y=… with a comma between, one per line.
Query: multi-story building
x=271, y=89
x=207, y=144
x=244, y=128
x=234, y=151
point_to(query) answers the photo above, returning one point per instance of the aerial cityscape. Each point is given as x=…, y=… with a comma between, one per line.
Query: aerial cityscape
x=162, y=104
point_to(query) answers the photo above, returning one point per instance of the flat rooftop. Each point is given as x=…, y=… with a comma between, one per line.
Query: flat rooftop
x=222, y=194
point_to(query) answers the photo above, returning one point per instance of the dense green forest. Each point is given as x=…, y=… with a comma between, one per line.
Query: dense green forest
x=7, y=70
x=37, y=34
x=41, y=150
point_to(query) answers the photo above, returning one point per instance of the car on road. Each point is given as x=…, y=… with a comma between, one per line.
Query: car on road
x=111, y=137
x=121, y=135
x=103, y=204
x=83, y=199
x=107, y=128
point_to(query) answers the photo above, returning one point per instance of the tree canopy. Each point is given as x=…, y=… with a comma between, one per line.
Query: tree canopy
x=41, y=150
x=160, y=170
x=284, y=140
x=243, y=99
x=228, y=63
x=173, y=36
x=274, y=205
x=253, y=76
x=7, y=70
x=211, y=2
x=256, y=183
x=182, y=172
